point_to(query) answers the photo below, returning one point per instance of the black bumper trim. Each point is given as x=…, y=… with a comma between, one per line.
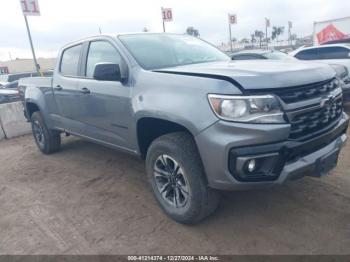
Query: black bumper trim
x=346, y=95
x=288, y=150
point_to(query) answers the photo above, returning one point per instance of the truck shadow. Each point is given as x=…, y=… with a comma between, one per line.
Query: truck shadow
x=302, y=201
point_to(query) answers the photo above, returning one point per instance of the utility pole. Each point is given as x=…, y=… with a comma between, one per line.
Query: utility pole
x=267, y=24
x=31, y=8
x=229, y=29
x=232, y=19
x=163, y=18
x=290, y=25
x=167, y=16
x=37, y=67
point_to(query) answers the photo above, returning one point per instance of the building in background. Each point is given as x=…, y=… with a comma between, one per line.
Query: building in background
x=332, y=31
x=4, y=70
x=27, y=65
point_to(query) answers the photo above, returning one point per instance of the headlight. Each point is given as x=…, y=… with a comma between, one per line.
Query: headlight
x=247, y=109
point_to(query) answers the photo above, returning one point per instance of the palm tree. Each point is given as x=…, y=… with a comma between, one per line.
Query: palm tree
x=244, y=41
x=253, y=40
x=260, y=35
x=277, y=31
x=293, y=37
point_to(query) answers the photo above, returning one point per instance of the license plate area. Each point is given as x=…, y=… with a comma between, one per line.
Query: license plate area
x=327, y=163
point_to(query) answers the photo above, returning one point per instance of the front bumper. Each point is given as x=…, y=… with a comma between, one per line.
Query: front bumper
x=346, y=93
x=224, y=141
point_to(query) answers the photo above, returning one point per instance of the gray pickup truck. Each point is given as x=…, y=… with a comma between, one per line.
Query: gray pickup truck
x=202, y=122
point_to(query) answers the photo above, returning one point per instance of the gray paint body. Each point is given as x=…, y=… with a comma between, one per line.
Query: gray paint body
x=110, y=113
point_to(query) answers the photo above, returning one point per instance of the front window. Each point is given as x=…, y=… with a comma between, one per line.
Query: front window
x=154, y=51
x=101, y=52
x=309, y=54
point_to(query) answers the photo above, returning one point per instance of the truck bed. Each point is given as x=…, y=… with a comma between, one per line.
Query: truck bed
x=38, y=82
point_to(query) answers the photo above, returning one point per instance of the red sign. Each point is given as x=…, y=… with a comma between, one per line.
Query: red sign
x=330, y=33
x=167, y=14
x=232, y=19
x=30, y=7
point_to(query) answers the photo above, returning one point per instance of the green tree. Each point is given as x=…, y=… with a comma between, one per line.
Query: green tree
x=244, y=41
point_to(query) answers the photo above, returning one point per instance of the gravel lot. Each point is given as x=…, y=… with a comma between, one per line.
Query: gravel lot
x=88, y=199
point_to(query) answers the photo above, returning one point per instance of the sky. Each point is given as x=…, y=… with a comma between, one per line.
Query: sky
x=63, y=21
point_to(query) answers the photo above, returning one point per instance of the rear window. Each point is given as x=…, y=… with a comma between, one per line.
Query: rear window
x=310, y=54
x=70, y=61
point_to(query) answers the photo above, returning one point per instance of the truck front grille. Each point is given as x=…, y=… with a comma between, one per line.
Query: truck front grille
x=313, y=122
x=305, y=92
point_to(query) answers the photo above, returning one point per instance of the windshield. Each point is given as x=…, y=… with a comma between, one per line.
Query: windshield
x=278, y=56
x=154, y=51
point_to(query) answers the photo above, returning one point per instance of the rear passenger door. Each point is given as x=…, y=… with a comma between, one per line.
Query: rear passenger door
x=105, y=107
x=65, y=86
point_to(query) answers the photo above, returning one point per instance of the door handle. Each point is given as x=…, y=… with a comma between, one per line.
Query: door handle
x=58, y=88
x=84, y=90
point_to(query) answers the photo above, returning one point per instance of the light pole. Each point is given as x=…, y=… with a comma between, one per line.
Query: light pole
x=167, y=16
x=31, y=8
x=229, y=29
x=232, y=19
x=37, y=66
x=267, y=24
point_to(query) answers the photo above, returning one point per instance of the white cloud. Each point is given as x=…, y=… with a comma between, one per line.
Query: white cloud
x=65, y=20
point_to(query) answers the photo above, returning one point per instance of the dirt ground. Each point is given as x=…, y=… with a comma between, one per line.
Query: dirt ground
x=88, y=199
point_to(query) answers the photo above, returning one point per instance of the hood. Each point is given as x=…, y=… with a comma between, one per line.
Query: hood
x=259, y=74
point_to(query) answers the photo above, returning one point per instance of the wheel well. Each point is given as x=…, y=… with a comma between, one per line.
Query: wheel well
x=149, y=129
x=31, y=108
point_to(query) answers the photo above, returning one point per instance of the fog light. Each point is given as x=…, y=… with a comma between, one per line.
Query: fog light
x=251, y=165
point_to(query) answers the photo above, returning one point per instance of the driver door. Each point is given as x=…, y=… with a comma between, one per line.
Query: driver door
x=105, y=106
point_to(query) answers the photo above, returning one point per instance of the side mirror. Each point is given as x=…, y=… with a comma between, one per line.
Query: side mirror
x=107, y=72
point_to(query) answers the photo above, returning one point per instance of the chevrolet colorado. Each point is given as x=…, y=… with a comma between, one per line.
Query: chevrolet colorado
x=202, y=122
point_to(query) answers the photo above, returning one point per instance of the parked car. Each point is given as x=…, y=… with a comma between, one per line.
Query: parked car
x=342, y=71
x=260, y=54
x=8, y=95
x=201, y=121
x=13, y=84
x=344, y=77
x=331, y=54
x=8, y=78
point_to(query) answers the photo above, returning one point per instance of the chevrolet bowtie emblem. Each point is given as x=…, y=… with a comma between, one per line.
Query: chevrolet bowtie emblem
x=327, y=101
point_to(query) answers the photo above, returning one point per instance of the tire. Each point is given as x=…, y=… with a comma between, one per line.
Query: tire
x=48, y=141
x=201, y=201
